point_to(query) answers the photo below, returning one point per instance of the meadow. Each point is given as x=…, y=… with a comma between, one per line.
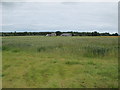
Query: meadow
x=59, y=62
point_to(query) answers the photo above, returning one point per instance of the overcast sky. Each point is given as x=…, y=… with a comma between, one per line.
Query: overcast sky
x=62, y=16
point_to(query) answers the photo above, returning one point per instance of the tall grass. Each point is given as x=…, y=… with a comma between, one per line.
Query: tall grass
x=89, y=47
x=96, y=51
x=60, y=62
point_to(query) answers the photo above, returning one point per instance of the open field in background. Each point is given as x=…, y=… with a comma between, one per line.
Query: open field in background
x=60, y=62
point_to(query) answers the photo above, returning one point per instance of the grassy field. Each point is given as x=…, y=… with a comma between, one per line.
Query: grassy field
x=60, y=62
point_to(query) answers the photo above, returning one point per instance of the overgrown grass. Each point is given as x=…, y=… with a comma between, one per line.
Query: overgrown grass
x=60, y=62
x=96, y=51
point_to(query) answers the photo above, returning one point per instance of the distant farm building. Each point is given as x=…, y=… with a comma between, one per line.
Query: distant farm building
x=52, y=34
x=66, y=34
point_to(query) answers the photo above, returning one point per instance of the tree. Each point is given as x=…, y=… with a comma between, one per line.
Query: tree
x=15, y=33
x=115, y=34
x=95, y=33
x=58, y=33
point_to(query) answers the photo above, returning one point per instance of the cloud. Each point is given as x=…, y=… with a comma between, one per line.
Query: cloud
x=60, y=16
x=59, y=0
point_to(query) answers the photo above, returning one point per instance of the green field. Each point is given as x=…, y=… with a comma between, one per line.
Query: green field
x=59, y=62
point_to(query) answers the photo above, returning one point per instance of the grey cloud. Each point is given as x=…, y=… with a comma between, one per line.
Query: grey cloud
x=62, y=16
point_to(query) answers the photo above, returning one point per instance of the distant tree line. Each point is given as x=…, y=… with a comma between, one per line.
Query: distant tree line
x=58, y=33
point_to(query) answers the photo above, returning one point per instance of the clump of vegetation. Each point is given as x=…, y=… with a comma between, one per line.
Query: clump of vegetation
x=72, y=62
x=96, y=51
x=5, y=48
x=16, y=50
x=54, y=61
x=40, y=49
x=91, y=63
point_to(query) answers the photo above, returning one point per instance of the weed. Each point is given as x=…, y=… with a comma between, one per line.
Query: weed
x=41, y=49
x=5, y=48
x=71, y=62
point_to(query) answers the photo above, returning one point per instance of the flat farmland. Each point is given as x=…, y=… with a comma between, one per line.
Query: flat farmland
x=59, y=62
